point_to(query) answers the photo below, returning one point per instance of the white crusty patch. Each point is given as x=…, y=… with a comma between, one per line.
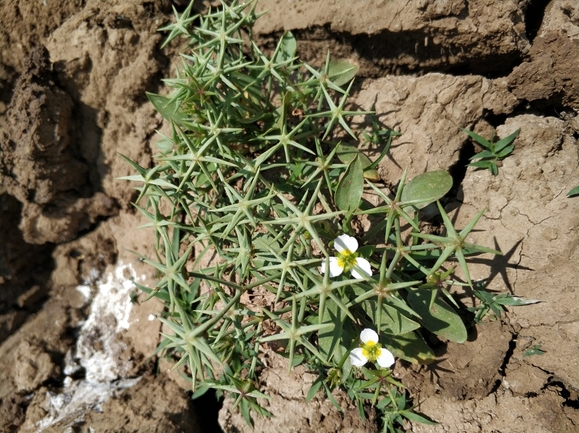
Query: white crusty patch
x=98, y=348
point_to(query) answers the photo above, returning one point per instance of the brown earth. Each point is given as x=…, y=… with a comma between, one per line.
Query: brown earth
x=77, y=349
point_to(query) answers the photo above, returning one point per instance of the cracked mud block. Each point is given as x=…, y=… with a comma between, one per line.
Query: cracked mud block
x=25, y=25
x=532, y=221
x=32, y=359
x=41, y=165
x=136, y=408
x=59, y=350
x=529, y=216
x=550, y=73
x=499, y=412
x=24, y=270
x=31, y=367
x=108, y=59
x=388, y=37
x=429, y=112
x=451, y=375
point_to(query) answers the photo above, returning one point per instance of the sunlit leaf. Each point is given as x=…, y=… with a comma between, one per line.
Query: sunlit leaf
x=413, y=416
x=426, y=188
x=342, y=71
x=410, y=347
x=346, y=153
x=441, y=318
x=169, y=108
x=573, y=192
x=330, y=340
x=349, y=191
x=287, y=49
x=391, y=319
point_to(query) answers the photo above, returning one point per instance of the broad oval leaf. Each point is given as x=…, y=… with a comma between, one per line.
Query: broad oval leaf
x=426, y=188
x=392, y=320
x=349, y=191
x=346, y=153
x=287, y=47
x=334, y=341
x=342, y=71
x=440, y=319
x=410, y=347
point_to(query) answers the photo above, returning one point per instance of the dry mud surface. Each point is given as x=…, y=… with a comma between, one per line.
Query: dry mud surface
x=76, y=346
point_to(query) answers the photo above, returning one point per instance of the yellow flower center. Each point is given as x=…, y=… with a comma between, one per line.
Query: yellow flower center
x=346, y=259
x=371, y=350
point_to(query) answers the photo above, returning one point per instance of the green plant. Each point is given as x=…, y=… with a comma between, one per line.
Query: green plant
x=259, y=181
x=495, y=303
x=493, y=151
x=535, y=349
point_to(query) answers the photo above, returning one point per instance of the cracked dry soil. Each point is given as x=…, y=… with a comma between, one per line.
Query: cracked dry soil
x=77, y=351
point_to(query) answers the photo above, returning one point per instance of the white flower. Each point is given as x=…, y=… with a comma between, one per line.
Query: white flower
x=347, y=259
x=371, y=350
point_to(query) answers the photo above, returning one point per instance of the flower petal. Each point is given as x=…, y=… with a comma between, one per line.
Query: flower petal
x=345, y=242
x=335, y=268
x=368, y=335
x=386, y=359
x=362, y=269
x=357, y=358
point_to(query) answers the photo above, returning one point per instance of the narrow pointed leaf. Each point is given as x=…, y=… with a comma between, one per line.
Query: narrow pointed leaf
x=480, y=140
x=480, y=164
x=515, y=301
x=482, y=155
x=168, y=108
x=573, y=192
x=499, y=145
x=413, y=416
x=506, y=151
